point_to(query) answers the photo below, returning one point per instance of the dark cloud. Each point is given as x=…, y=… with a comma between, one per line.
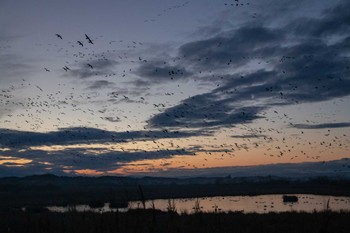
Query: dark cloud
x=223, y=106
x=230, y=49
x=295, y=68
x=206, y=110
x=99, y=84
x=236, y=48
x=60, y=161
x=322, y=126
x=26, y=160
x=67, y=136
x=158, y=72
x=333, y=21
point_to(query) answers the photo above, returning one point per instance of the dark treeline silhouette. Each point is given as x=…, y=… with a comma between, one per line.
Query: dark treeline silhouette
x=48, y=190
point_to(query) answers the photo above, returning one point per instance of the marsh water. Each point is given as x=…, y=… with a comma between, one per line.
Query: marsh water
x=246, y=204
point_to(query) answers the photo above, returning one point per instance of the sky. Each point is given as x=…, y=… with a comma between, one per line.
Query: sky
x=166, y=86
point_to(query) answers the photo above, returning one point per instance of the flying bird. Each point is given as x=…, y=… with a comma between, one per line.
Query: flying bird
x=66, y=68
x=88, y=38
x=59, y=36
x=46, y=69
x=90, y=66
x=79, y=42
x=39, y=88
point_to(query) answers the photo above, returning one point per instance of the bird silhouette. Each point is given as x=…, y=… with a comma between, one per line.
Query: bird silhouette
x=59, y=36
x=66, y=68
x=80, y=43
x=88, y=38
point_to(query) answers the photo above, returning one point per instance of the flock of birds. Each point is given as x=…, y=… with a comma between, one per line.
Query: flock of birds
x=66, y=107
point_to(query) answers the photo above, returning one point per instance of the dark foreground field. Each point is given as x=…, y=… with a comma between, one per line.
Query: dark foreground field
x=48, y=190
x=139, y=221
x=37, y=192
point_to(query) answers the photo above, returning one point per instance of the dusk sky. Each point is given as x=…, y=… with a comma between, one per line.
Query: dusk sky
x=116, y=87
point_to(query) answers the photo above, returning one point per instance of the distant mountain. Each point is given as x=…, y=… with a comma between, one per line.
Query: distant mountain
x=336, y=168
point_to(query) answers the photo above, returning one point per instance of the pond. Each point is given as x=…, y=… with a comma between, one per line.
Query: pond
x=246, y=204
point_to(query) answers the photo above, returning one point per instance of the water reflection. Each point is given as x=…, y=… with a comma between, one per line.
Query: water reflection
x=246, y=204
x=85, y=208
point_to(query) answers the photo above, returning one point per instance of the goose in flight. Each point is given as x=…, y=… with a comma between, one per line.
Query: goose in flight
x=88, y=38
x=59, y=36
x=66, y=68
